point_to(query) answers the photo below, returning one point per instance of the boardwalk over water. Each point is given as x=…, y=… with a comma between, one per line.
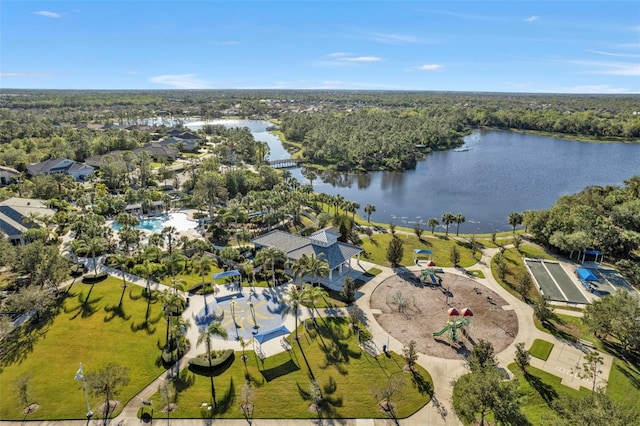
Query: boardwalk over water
x=285, y=164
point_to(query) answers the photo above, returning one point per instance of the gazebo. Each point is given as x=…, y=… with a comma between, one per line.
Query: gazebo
x=225, y=274
x=594, y=253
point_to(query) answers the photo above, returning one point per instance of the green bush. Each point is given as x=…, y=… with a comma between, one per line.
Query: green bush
x=202, y=363
x=93, y=279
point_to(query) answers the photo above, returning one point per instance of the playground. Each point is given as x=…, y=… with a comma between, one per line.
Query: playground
x=409, y=311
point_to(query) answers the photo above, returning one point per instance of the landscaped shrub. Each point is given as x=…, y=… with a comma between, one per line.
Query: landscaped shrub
x=219, y=360
x=76, y=270
x=93, y=279
x=200, y=289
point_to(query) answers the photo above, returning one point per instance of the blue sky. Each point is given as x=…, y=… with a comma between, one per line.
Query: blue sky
x=498, y=46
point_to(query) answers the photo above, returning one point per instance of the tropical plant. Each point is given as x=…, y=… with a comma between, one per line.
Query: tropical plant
x=213, y=329
x=369, y=209
x=269, y=256
x=432, y=223
x=447, y=219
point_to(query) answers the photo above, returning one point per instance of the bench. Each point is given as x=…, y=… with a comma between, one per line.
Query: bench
x=586, y=343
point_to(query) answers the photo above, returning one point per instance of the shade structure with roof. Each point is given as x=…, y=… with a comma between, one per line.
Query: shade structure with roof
x=271, y=334
x=225, y=274
x=595, y=253
x=422, y=252
x=586, y=275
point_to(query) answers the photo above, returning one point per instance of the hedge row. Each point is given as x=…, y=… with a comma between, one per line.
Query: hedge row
x=93, y=279
x=203, y=363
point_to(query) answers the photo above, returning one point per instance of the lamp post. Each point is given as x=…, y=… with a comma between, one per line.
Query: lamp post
x=80, y=376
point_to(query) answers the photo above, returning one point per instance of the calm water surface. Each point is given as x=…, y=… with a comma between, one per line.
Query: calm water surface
x=493, y=174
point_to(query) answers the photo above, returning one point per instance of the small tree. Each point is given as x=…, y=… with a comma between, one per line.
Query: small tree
x=107, y=383
x=524, y=285
x=392, y=228
x=167, y=391
x=543, y=311
x=482, y=357
x=454, y=255
x=355, y=315
x=395, y=251
x=590, y=368
x=418, y=231
x=410, y=354
x=348, y=290
x=21, y=390
x=493, y=237
x=316, y=397
x=517, y=241
x=522, y=358
x=247, y=396
x=385, y=393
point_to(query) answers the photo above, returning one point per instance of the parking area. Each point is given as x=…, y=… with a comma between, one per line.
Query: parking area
x=554, y=282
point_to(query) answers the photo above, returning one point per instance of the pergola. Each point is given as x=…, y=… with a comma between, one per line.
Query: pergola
x=595, y=253
x=421, y=252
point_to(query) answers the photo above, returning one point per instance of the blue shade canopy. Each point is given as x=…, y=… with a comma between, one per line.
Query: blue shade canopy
x=593, y=252
x=226, y=274
x=586, y=274
x=423, y=251
x=271, y=334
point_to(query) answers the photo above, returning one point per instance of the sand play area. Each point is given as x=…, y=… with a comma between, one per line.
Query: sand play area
x=425, y=311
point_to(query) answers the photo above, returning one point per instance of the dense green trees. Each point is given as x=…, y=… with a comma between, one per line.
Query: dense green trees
x=602, y=218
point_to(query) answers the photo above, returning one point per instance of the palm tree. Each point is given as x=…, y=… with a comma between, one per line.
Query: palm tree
x=369, y=209
x=432, y=223
x=171, y=302
x=94, y=245
x=170, y=233
x=298, y=267
x=204, y=263
x=74, y=247
x=515, y=219
x=447, y=219
x=458, y=219
x=121, y=260
x=214, y=329
x=317, y=267
x=145, y=270
x=293, y=298
x=313, y=293
x=270, y=256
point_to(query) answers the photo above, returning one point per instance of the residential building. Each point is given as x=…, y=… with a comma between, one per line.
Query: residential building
x=7, y=175
x=14, y=213
x=322, y=243
x=79, y=171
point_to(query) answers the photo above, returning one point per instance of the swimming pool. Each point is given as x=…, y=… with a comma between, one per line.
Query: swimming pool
x=180, y=221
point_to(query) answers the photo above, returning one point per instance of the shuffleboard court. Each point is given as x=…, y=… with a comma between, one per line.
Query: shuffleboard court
x=544, y=280
x=568, y=286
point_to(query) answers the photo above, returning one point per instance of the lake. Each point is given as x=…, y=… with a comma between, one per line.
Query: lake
x=493, y=174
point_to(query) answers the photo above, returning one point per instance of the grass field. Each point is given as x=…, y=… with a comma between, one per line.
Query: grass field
x=91, y=327
x=541, y=349
x=376, y=249
x=281, y=384
x=539, y=390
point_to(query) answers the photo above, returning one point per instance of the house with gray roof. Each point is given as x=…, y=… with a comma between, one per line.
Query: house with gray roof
x=8, y=175
x=321, y=243
x=14, y=213
x=186, y=144
x=79, y=171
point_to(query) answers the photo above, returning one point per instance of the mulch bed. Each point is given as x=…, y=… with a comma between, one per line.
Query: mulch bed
x=426, y=311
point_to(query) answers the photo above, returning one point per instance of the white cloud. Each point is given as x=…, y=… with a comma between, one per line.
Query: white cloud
x=610, y=68
x=362, y=59
x=429, y=67
x=25, y=74
x=179, y=81
x=622, y=55
x=588, y=88
x=531, y=19
x=388, y=38
x=48, y=14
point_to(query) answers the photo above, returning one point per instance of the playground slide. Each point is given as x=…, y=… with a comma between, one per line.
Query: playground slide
x=441, y=332
x=434, y=280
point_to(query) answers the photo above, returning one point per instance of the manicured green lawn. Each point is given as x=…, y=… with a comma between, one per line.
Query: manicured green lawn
x=623, y=384
x=541, y=349
x=376, y=249
x=346, y=374
x=539, y=390
x=91, y=327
